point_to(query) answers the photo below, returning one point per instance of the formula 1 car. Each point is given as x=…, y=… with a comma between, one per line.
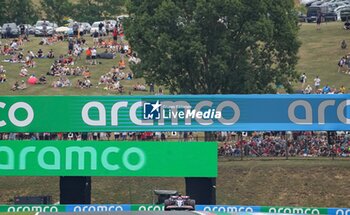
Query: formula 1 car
x=183, y=203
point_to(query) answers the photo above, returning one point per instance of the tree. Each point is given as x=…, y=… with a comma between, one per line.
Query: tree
x=210, y=46
x=95, y=10
x=57, y=10
x=18, y=11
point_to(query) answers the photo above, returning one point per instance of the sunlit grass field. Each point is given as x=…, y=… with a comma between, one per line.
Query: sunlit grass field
x=43, y=66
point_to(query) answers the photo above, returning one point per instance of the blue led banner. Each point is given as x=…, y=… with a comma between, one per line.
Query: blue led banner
x=174, y=113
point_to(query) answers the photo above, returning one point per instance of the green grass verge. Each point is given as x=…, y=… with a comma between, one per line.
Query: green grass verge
x=316, y=182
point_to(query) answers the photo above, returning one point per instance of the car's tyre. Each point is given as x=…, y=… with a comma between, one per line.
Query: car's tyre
x=192, y=203
x=166, y=204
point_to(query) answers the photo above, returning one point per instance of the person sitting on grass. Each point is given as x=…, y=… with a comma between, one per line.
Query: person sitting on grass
x=58, y=83
x=42, y=79
x=23, y=85
x=2, y=70
x=121, y=64
x=87, y=73
x=23, y=72
x=2, y=77
x=347, y=25
x=40, y=54
x=139, y=87
x=87, y=83
x=308, y=89
x=50, y=54
x=15, y=86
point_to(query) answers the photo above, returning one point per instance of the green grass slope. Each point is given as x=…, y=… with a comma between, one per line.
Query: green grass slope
x=43, y=66
x=320, y=52
x=295, y=182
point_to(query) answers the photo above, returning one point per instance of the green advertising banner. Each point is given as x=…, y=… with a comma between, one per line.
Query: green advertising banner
x=98, y=158
x=32, y=208
x=174, y=113
x=293, y=210
x=146, y=207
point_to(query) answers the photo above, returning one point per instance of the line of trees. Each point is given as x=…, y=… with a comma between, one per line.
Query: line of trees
x=215, y=47
x=29, y=11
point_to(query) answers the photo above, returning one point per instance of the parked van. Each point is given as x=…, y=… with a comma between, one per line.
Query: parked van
x=345, y=14
x=314, y=11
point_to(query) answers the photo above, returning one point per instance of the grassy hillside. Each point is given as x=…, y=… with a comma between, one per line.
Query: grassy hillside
x=301, y=182
x=319, y=55
x=43, y=66
x=320, y=52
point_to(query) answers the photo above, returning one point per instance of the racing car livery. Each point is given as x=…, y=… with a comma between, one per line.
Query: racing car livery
x=179, y=203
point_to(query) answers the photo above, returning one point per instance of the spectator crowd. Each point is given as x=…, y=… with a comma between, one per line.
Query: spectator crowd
x=64, y=66
x=297, y=144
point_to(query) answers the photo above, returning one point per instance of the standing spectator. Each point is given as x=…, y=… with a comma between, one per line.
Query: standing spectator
x=70, y=47
x=100, y=28
x=108, y=27
x=341, y=64
x=317, y=82
x=23, y=28
x=115, y=34
x=303, y=79
x=88, y=55
x=75, y=29
x=45, y=24
x=8, y=31
x=95, y=36
x=77, y=51
x=318, y=21
x=151, y=87
x=121, y=33
x=93, y=56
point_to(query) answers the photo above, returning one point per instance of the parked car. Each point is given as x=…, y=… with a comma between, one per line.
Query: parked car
x=314, y=11
x=302, y=17
x=9, y=30
x=331, y=16
x=94, y=27
x=110, y=24
x=44, y=28
x=70, y=26
x=345, y=14
x=86, y=27
x=121, y=18
x=27, y=27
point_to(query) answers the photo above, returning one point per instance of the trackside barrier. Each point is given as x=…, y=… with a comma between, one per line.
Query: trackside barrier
x=228, y=208
x=97, y=208
x=32, y=208
x=150, y=207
